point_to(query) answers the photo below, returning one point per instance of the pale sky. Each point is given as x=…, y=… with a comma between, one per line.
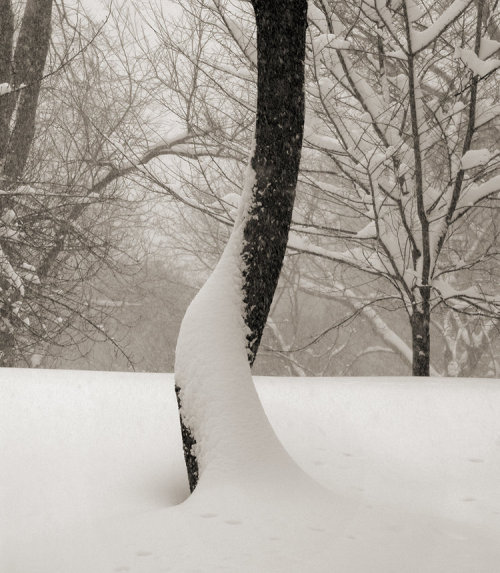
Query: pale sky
x=94, y=6
x=99, y=7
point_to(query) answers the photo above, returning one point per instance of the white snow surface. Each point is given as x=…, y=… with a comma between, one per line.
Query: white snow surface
x=404, y=477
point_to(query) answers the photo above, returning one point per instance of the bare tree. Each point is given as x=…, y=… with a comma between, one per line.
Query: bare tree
x=76, y=175
x=400, y=164
x=421, y=105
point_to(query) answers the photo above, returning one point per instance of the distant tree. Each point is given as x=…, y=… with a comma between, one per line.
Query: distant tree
x=140, y=312
x=408, y=137
x=78, y=143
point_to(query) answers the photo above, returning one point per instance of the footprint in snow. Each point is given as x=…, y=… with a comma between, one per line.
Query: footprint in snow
x=207, y=515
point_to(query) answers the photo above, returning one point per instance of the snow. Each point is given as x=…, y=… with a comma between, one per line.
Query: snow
x=242, y=73
x=424, y=38
x=317, y=17
x=32, y=278
x=219, y=402
x=364, y=259
x=476, y=193
x=5, y=88
x=8, y=217
x=244, y=41
x=175, y=133
x=475, y=158
x=445, y=289
x=487, y=113
x=414, y=11
x=303, y=244
x=8, y=272
x=397, y=54
x=488, y=47
x=402, y=81
x=232, y=199
x=406, y=476
x=231, y=203
x=323, y=41
x=326, y=142
x=478, y=66
x=367, y=232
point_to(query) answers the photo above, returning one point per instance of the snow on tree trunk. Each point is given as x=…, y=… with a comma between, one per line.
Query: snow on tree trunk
x=223, y=423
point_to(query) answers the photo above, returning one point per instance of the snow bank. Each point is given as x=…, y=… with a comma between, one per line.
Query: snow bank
x=92, y=469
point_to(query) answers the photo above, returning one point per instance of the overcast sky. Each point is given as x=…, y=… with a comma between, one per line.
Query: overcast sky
x=94, y=6
x=99, y=7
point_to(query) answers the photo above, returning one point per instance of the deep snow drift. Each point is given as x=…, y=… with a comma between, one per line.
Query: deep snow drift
x=91, y=472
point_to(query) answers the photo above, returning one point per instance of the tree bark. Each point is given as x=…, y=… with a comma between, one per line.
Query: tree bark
x=278, y=142
x=6, y=39
x=420, y=334
x=188, y=443
x=29, y=61
x=281, y=27
x=22, y=68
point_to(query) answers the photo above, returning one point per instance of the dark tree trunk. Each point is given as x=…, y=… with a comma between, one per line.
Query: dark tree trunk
x=6, y=39
x=188, y=443
x=281, y=28
x=22, y=68
x=29, y=61
x=420, y=333
x=6, y=35
x=281, y=35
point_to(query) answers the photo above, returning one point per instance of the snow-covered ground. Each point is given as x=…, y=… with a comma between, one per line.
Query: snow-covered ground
x=406, y=479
